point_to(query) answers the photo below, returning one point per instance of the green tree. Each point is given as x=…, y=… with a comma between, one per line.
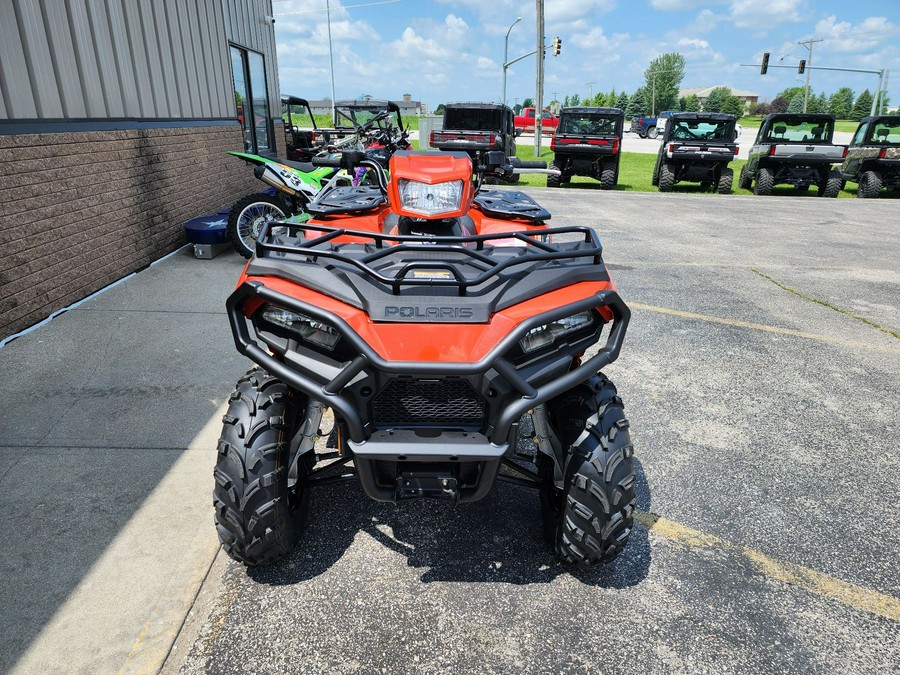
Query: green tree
x=734, y=105
x=840, y=103
x=622, y=101
x=637, y=106
x=691, y=103
x=789, y=93
x=796, y=104
x=574, y=99
x=885, y=102
x=439, y=110
x=662, y=80
x=862, y=107
x=716, y=99
x=817, y=103
x=779, y=105
x=528, y=103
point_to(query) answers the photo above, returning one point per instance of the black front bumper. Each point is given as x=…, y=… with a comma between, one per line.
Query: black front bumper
x=526, y=386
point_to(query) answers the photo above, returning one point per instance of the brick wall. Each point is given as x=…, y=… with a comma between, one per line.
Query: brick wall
x=81, y=210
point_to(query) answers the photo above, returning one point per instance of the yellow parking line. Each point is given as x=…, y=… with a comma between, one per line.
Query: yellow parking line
x=854, y=596
x=768, y=329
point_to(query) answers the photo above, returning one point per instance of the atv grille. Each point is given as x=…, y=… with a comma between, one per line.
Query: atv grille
x=431, y=403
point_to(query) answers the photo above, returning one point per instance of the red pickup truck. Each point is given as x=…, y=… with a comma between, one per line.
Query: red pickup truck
x=525, y=121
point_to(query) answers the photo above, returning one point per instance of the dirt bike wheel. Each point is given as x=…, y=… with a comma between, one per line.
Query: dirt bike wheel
x=247, y=217
x=726, y=178
x=666, y=178
x=765, y=179
x=869, y=185
x=589, y=520
x=258, y=517
x=553, y=181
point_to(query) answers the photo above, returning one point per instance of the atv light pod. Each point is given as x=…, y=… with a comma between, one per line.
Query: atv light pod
x=546, y=335
x=303, y=326
x=430, y=200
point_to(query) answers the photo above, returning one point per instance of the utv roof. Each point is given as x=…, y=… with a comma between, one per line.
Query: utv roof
x=718, y=117
x=367, y=104
x=798, y=116
x=485, y=106
x=583, y=110
x=877, y=118
x=294, y=100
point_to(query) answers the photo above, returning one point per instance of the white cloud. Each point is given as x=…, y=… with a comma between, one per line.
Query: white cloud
x=568, y=11
x=843, y=36
x=678, y=5
x=693, y=42
x=765, y=15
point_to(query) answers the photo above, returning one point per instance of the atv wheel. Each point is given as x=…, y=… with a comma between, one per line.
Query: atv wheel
x=764, y=182
x=652, y=132
x=590, y=519
x=744, y=181
x=666, y=177
x=553, y=181
x=258, y=517
x=726, y=178
x=869, y=185
x=247, y=218
x=831, y=186
x=608, y=176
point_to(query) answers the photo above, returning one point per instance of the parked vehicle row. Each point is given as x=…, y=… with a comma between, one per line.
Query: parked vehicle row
x=796, y=149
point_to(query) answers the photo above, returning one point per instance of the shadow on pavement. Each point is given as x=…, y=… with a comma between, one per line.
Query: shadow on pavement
x=498, y=539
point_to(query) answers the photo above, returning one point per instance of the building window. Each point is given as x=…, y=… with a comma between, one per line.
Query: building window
x=251, y=96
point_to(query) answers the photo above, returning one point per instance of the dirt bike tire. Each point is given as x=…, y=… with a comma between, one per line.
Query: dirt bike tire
x=247, y=216
x=257, y=517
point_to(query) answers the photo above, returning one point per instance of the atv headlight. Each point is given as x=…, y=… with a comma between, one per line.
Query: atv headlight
x=546, y=335
x=303, y=326
x=430, y=200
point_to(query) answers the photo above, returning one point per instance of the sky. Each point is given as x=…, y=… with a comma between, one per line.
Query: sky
x=452, y=50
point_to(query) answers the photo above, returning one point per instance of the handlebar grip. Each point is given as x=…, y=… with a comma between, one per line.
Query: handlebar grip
x=536, y=164
x=327, y=160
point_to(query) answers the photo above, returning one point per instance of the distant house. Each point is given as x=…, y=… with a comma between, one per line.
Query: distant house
x=750, y=98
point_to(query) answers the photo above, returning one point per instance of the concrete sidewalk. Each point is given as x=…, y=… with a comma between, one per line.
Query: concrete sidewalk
x=107, y=444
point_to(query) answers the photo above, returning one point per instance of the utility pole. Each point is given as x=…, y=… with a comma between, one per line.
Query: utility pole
x=539, y=78
x=808, y=44
x=591, y=90
x=331, y=60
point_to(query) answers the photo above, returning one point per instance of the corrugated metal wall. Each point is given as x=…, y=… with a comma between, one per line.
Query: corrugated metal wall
x=75, y=59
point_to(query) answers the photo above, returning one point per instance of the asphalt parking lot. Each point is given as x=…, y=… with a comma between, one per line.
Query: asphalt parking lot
x=760, y=376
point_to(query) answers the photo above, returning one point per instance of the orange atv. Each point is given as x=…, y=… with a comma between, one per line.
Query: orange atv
x=435, y=319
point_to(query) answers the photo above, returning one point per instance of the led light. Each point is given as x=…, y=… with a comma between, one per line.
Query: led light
x=305, y=327
x=430, y=200
x=546, y=335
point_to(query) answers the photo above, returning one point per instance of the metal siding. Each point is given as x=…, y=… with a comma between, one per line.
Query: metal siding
x=13, y=70
x=124, y=60
x=37, y=57
x=62, y=53
x=96, y=59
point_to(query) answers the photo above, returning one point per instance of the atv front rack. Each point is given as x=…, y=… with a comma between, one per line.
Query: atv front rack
x=476, y=250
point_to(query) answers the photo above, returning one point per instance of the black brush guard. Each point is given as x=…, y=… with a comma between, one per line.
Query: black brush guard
x=498, y=429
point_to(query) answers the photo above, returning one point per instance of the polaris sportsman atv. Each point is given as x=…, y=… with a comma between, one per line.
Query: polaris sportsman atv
x=429, y=315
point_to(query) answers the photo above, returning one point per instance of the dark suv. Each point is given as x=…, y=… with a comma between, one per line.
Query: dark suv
x=697, y=147
x=587, y=143
x=873, y=157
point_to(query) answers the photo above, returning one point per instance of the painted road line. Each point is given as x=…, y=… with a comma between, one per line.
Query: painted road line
x=855, y=344
x=854, y=596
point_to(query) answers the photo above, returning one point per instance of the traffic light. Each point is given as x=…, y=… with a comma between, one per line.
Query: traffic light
x=557, y=43
x=765, y=64
x=801, y=67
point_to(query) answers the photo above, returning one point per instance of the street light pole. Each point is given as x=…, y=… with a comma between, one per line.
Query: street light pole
x=505, y=56
x=331, y=59
x=808, y=44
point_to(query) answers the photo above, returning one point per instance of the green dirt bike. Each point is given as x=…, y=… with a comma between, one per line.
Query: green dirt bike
x=295, y=183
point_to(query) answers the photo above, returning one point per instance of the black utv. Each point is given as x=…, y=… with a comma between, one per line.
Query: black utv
x=873, y=156
x=697, y=147
x=587, y=143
